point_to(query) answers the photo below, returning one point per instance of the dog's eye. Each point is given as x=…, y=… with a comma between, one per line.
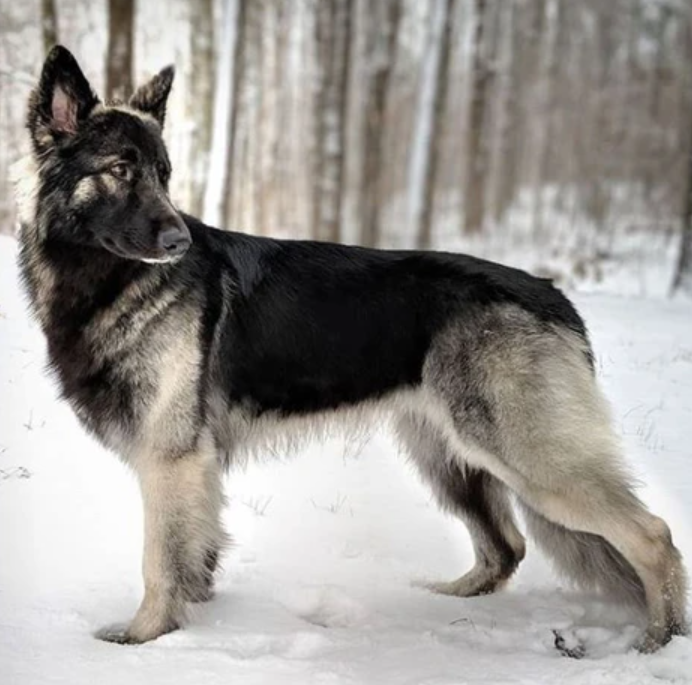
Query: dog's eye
x=162, y=171
x=122, y=170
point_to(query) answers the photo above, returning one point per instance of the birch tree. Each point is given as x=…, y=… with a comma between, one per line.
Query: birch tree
x=428, y=126
x=215, y=201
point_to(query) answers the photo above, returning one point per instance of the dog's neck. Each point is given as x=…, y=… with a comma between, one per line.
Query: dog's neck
x=65, y=280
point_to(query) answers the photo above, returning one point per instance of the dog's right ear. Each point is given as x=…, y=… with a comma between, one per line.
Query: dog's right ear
x=62, y=100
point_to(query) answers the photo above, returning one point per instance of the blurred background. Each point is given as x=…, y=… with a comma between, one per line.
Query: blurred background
x=555, y=135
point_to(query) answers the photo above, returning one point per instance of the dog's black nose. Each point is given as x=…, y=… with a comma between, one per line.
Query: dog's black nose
x=174, y=240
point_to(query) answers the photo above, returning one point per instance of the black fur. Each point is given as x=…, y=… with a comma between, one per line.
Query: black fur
x=308, y=317
x=151, y=98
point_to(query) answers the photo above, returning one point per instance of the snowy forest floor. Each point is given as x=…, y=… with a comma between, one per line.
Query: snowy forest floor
x=318, y=586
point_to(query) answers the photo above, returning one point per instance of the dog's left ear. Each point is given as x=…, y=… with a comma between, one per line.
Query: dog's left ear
x=151, y=98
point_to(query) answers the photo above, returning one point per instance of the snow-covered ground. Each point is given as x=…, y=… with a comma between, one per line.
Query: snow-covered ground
x=318, y=587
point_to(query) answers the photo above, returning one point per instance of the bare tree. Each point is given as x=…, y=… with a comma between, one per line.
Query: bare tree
x=214, y=197
x=428, y=136
x=683, y=273
x=277, y=74
x=201, y=101
x=119, y=56
x=49, y=24
x=550, y=77
x=333, y=46
x=381, y=37
x=508, y=132
x=476, y=149
x=236, y=75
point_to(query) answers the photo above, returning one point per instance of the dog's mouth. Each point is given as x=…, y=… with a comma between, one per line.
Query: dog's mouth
x=157, y=256
x=166, y=259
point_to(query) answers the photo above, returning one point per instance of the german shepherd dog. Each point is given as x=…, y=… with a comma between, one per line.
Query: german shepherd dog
x=183, y=348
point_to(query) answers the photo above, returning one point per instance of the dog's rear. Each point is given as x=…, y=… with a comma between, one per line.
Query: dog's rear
x=520, y=405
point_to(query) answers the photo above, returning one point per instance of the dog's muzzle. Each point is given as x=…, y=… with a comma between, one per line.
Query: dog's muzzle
x=173, y=241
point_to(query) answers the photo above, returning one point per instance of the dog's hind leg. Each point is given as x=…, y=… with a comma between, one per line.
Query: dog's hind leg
x=548, y=436
x=478, y=499
x=601, y=534
x=182, y=539
x=204, y=538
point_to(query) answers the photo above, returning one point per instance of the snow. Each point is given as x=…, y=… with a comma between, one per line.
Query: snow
x=318, y=587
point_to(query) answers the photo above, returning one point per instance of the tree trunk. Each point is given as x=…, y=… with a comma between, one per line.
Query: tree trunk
x=49, y=24
x=282, y=112
x=333, y=45
x=254, y=63
x=428, y=127
x=119, y=57
x=274, y=36
x=477, y=166
x=201, y=97
x=381, y=37
x=683, y=273
x=510, y=129
x=223, y=106
x=546, y=85
x=237, y=70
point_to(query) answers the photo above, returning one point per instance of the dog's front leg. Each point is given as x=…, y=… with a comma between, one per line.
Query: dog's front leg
x=175, y=493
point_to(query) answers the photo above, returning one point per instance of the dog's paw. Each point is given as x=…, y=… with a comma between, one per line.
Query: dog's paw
x=473, y=584
x=117, y=634
x=134, y=634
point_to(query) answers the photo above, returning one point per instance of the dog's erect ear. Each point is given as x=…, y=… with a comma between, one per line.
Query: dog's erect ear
x=62, y=100
x=151, y=98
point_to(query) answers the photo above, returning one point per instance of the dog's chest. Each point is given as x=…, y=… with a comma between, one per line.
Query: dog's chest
x=128, y=366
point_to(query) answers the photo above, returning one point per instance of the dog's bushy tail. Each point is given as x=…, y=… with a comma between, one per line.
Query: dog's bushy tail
x=586, y=560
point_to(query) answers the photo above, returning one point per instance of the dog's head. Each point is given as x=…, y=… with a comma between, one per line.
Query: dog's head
x=103, y=170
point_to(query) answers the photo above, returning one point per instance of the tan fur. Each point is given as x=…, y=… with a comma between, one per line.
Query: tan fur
x=182, y=502
x=85, y=191
x=24, y=175
x=167, y=421
x=102, y=108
